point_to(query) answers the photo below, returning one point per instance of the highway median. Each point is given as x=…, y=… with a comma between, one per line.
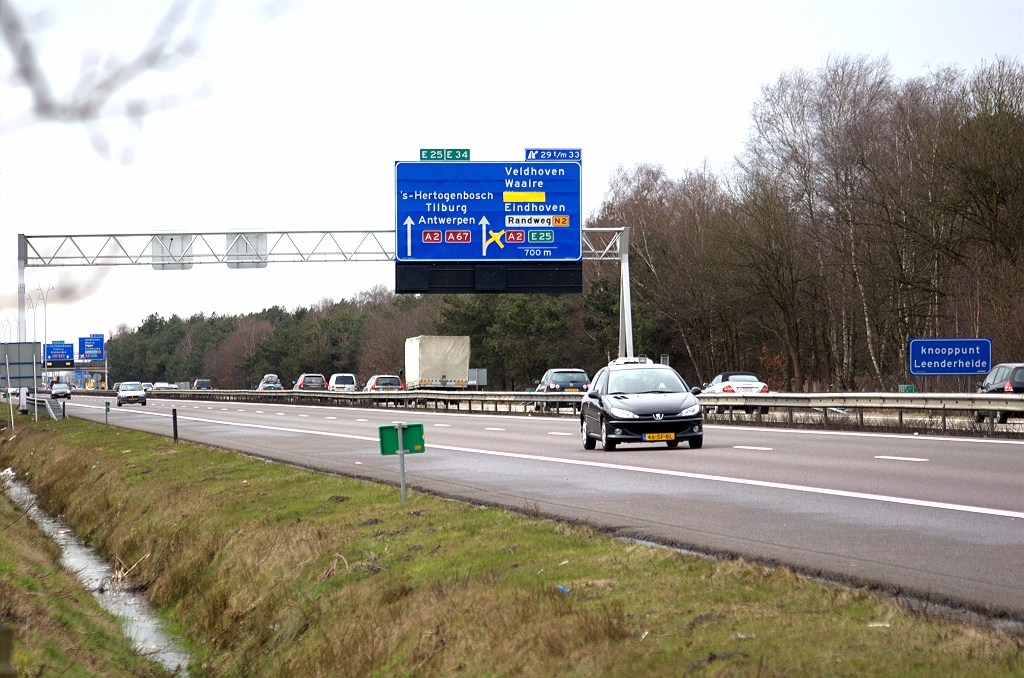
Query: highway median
x=267, y=569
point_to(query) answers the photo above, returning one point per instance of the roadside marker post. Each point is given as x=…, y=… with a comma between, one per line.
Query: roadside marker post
x=174, y=423
x=401, y=438
x=106, y=411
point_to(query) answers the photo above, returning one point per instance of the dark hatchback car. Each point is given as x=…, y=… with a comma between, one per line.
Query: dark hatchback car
x=310, y=382
x=631, y=401
x=1003, y=378
x=560, y=380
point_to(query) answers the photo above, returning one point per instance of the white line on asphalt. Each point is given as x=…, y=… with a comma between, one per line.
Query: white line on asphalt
x=240, y=410
x=223, y=409
x=303, y=415
x=280, y=414
x=444, y=425
x=882, y=456
x=259, y=411
x=360, y=419
x=560, y=433
x=494, y=429
x=752, y=447
x=330, y=417
x=621, y=467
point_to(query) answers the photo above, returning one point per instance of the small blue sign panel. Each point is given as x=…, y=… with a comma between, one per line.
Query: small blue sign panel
x=930, y=357
x=554, y=154
x=58, y=352
x=91, y=347
x=488, y=211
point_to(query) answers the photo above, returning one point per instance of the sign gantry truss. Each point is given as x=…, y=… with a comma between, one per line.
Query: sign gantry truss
x=171, y=251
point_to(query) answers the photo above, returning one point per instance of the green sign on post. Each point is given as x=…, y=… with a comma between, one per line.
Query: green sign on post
x=906, y=388
x=449, y=154
x=401, y=439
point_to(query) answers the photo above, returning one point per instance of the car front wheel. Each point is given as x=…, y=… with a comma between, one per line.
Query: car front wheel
x=588, y=442
x=673, y=443
x=607, y=444
x=119, y=403
x=696, y=443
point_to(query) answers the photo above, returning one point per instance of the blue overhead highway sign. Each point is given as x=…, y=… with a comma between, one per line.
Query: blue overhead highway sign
x=488, y=211
x=931, y=357
x=59, y=355
x=91, y=347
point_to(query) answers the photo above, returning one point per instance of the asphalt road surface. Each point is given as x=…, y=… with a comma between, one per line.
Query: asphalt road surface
x=940, y=518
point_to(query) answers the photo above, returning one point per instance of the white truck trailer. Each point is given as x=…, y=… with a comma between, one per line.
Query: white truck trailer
x=436, y=363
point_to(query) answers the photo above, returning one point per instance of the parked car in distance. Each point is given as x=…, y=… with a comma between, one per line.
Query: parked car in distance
x=147, y=386
x=202, y=385
x=731, y=383
x=384, y=382
x=561, y=380
x=160, y=386
x=343, y=381
x=1003, y=378
x=270, y=386
x=310, y=382
x=633, y=400
x=60, y=391
x=131, y=392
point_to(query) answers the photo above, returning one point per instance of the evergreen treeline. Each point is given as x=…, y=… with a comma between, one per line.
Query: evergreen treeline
x=862, y=212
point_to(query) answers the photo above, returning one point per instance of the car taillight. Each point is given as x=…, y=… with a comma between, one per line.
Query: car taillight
x=728, y=389
x=764, y=389
x=1008, y=388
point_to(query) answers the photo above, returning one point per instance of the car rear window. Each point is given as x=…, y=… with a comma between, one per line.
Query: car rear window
x=743, y=377
x=313, y=381
x=204, y=383
x=564, y=377
x=1018, y=376
x=346, y=379
x=387, y=381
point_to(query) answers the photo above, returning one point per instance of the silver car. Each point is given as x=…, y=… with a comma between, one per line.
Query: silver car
x=131, y=392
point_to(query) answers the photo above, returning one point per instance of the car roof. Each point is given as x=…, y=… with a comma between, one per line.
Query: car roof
x=1007, y=365
x=634, y=366
x=726, y=375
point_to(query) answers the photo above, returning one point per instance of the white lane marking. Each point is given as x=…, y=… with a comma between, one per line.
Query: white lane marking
x=494, y=429
x=259, y=411
x=240, y=410
x=560, y=433
x=330, y=417
x=637, y=469
x=882, y=456
x=444, y=425
x=360, y=419
x=209, y=408
x=359, y=463
x=280, y=414
x=752, y=447
x=303, y=415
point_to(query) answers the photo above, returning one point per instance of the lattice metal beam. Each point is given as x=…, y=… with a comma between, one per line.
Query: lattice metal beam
x=243, y=249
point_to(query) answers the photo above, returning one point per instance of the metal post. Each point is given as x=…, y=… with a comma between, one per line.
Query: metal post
x=860, y=416
x=10, y=400
x=943, y=418
x=401, y=457
x=63, y=410
x=790, y=414
x=900, y=413
x=991, y=423
x=174, y=423
x=625, y=302
x=35, y=382
x=730, y=413
x=824, y=415
x=106, y=413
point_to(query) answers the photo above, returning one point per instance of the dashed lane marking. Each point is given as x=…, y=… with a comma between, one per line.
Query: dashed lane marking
x=882, y=456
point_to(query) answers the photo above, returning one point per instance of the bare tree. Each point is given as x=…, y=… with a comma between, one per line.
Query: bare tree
x=99, y=93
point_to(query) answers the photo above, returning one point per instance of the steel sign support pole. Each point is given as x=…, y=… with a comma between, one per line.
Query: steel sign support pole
x=401, y=458
x=22, y=261
x=625, y=304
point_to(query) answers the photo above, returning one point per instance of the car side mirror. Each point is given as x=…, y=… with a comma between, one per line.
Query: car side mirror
x=696, y=390
x=537, y=382
x=593, y=394
x=980, y=384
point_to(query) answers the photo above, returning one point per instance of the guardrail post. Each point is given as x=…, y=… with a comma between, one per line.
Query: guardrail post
x=899, y=413
x=6, y=649
x=824, y=415
x=730, y=413
x=991, y=423
x=943, y=418
x=860, y=416
x=63, y=411
x=790, y=414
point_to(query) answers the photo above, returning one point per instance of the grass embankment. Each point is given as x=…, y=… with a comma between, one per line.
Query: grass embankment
x=59, y=627
x=271, y=570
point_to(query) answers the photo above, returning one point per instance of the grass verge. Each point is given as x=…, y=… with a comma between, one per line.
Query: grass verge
x=271, y=570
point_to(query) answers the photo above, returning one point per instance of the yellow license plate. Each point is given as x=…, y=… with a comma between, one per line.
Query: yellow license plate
x=572, y=390
x=659, y=436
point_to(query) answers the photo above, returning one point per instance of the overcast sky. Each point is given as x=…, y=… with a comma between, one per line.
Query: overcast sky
x=301, y=108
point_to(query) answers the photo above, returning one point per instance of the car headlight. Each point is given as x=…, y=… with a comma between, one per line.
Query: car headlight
x=690, y=411
x=620, y=413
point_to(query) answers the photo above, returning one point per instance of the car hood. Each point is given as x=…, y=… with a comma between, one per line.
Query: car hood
x=652, y=403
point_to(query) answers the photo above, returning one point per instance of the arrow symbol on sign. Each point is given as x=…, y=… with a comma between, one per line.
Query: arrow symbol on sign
x=483, y=233
x=408, y=235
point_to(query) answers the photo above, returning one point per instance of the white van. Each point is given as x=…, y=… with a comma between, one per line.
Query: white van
x=342, y=382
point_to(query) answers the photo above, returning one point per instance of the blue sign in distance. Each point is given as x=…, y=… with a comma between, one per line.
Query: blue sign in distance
x=56, y=352
x=488, y=211
x=931, y=357
x=91, y=347
x=554, y=154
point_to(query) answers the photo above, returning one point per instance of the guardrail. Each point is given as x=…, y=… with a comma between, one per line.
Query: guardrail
x=823, y=409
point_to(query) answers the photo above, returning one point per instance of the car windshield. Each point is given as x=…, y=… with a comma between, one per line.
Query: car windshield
x=744, y=377
x=387, y=381
x=645, y=381
x=131, y=386
x=568, y=377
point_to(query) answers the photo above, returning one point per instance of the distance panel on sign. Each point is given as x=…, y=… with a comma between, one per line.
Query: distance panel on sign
x=488, y=211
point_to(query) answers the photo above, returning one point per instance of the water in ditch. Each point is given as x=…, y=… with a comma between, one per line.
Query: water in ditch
x=139, y=624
